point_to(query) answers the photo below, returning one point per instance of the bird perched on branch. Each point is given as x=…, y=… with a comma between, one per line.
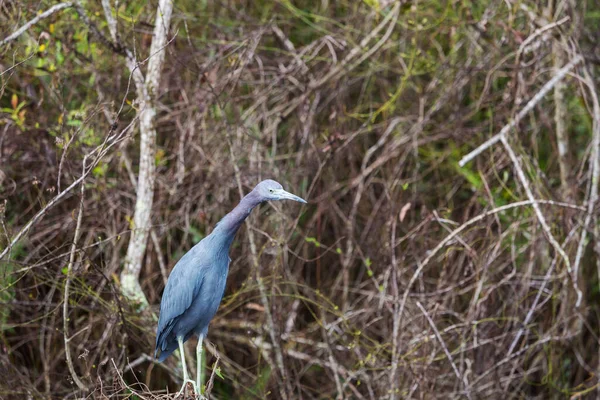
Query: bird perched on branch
x=195, y=286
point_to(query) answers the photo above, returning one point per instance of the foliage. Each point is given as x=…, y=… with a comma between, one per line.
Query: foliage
x=291, y=90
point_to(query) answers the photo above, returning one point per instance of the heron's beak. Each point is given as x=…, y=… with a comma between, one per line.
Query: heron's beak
x=283, y=195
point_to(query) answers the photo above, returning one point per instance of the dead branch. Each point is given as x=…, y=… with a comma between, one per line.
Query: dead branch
x=55, y=8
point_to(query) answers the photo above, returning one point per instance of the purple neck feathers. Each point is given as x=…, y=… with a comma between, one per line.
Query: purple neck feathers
x=229, y=225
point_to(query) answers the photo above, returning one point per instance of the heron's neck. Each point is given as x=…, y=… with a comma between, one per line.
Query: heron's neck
x=229, y=225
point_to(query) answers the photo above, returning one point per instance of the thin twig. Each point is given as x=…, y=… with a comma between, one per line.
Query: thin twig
x=595, y=178
x=390, y=20
x=538, y=296
x=530, y=105
x=211, y=380
x=462, y=379
x=109, y=142
x=538, y=212
x=55, y=8
x=464, y=226
x=69, y=361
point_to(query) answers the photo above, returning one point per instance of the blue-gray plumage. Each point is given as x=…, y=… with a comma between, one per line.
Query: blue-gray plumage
x=195, y=286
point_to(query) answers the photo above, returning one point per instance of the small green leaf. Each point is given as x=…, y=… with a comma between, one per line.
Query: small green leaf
x=65, y=270
x=218, y=373
x=313, y=241
x=100, y=170
x=368, y=262
x=338, y=250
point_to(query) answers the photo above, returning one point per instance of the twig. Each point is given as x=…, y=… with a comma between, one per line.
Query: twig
x=536, y=301
x=464, y=226
x=595, y=177
x=211, y=380
x=161, y=261
x=560, y=119
x=532, y=103
x=110, y=20
x=390, y=19
x=540, y=31
x=446, y=351
x=94, y=29
x=55, y=8
x=538, y=212
x=76, y=379
x=396, y=317
x=109, y=142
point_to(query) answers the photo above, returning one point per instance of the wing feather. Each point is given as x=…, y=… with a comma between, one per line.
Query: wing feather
x=183, y=285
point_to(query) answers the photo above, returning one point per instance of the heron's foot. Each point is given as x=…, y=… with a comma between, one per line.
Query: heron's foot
x=196, y=389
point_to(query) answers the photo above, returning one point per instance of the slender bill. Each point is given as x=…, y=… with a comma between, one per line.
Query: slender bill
x=283, y=195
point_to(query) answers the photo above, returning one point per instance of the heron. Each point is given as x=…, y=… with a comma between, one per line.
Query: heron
x=196, y=284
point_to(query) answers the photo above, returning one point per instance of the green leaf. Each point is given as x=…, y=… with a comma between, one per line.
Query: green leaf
x=313, y=241
x=100, y=170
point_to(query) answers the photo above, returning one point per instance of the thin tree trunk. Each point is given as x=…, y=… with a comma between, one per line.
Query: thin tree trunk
x=147, y=93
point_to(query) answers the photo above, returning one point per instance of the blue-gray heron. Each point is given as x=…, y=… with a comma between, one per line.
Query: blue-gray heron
x=195, y=286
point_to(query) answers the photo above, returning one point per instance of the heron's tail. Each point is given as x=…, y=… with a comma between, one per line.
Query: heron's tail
x=162, y=354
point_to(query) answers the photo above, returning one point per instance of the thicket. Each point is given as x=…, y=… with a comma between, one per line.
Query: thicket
x=410, y=274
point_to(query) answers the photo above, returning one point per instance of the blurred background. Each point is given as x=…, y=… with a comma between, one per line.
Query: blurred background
x=408, y=275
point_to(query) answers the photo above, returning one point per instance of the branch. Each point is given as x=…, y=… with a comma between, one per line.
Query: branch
x=536, y=207
x=76, y=379
x=538, y=296
x=595, y=177
x=95, y=31
x=467, y=224
x=560, y=120
x=463, y=379
x=55, y=8
x=109, y=142
x=393, y=16
x=532, y=103
x=147, y=94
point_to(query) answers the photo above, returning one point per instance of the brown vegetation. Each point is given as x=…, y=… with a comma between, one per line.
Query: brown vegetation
x=410, y=274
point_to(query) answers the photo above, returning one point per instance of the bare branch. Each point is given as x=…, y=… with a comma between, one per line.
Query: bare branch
x=532, y=103
x=55, y=8
x=536, y=207
x=110, y=141
x=446, y=351
x=76, y=379
x=560, y=120
x=464, y=226
x=595, y=177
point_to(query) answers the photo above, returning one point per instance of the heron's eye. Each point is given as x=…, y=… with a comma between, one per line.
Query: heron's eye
x=271, y=190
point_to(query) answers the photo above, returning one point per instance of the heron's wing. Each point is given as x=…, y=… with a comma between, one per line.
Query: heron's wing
x=184, y=284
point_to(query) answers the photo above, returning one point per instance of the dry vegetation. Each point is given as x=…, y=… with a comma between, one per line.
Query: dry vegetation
x=408, y=275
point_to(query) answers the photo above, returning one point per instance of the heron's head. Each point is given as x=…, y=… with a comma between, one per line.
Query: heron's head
x=269, y=190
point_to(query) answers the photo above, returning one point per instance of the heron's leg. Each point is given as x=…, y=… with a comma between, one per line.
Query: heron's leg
x=186, y=378
x=199, y=362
